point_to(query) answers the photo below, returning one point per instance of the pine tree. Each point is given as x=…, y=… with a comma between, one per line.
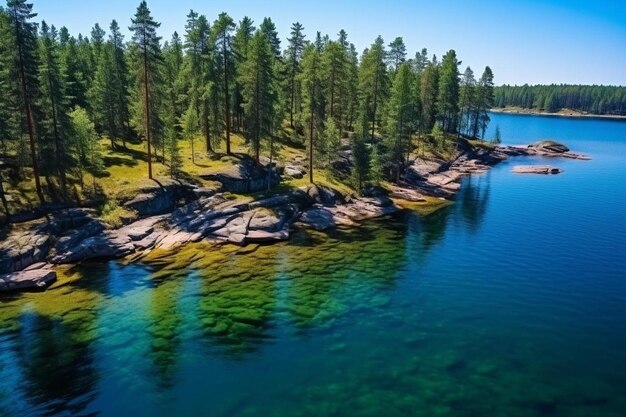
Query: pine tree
x=429, y=82
x=373, y=83
x=448, y=92
x=329, y=142
x=334, y=75
x=294, y=58
x=497, y=137
x=241, y=40
x=361, y=158
x=223, y=28
x=201, y=71
x=484, y=102
x=190, y=126
x=146, y=41
x=25, y=62
x=55, y=125
x=397, y=54
x=258, y=91
x=420, y=62
x=9, y=93
x=74, y=76
x=172, y=107
x=313, y=96
x=401, y=111
x=467, y=99
x=87, y=146
x=120, y=82
x=103, y=96
x=268, y=28
x=97, y=43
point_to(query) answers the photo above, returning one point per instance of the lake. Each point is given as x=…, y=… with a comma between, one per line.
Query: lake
x=511, y=302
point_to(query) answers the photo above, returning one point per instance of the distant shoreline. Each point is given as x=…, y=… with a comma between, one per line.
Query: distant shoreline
x=562, y=113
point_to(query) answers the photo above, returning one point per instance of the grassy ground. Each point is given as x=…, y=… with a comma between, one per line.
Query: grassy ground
x=126, y=173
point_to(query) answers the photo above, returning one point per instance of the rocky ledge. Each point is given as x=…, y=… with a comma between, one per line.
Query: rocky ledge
x=30, y=250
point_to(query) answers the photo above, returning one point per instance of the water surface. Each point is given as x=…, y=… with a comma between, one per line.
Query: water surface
x=511, y=302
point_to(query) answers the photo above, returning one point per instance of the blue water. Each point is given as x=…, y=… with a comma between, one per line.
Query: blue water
x=511, y=302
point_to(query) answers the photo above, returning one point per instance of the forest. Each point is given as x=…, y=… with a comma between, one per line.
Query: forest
x=592, y=99
x=76, y=108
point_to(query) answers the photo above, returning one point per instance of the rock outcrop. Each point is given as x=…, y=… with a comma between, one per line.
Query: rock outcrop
x=193, y=214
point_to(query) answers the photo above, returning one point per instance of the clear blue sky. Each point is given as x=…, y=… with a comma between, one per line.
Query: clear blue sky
x=558, y=41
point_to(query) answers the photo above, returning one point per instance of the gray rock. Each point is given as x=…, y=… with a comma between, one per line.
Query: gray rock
x=33, y=279
x=318, y=218
x=550, y=146
x=294, y=171
x=263, y=236
x=536, y=169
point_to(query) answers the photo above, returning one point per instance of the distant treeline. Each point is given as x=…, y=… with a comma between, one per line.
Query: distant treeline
x=596, y=99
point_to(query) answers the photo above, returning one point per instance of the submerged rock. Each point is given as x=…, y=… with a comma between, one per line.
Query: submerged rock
x=24, y=280
x=536, y=169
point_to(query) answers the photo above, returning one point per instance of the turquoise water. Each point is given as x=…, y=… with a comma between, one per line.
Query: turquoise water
x=511, y=302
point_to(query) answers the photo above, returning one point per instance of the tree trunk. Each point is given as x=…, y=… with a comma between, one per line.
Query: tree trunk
x=57, y=146
x=226, y=97
x=293, y=96
x=311, y=124
x=147, y=101
x=29, y=115
x=4, y=199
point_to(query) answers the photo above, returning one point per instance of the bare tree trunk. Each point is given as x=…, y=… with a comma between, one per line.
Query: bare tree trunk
x=226, y=97
x=29, y=116
x=147, y=101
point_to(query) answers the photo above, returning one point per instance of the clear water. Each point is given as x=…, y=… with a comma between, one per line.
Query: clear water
x=512, y=302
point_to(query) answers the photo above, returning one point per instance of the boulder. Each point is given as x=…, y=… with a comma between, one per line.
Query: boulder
x=550, y=146
x=422, y=168
x=324, y=195
x=294, y=171
x=36, y=279
x=156, y=201
x=246, y=177
x=318, y=218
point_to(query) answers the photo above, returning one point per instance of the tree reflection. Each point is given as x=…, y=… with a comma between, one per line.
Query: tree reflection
x=56, y=360
x=473, y=200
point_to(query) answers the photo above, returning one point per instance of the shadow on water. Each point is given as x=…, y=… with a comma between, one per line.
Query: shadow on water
x=56, y=362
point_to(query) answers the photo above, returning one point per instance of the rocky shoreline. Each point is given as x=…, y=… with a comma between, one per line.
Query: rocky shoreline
x=30, y=251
